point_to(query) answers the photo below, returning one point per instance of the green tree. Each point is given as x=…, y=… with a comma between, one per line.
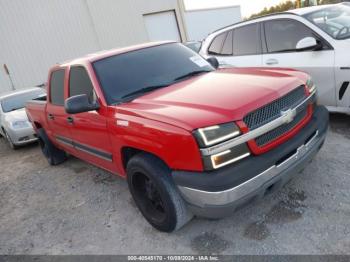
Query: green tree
x=285, y=6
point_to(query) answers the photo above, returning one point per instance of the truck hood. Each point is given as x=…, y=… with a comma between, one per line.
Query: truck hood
x=217, y=97
x=17, y=115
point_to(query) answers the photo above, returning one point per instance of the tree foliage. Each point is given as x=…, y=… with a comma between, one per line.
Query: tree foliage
x=288, y=5
x=285, y=6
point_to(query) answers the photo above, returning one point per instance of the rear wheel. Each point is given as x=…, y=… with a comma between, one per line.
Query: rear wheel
x=155, y=194
x=53, y=154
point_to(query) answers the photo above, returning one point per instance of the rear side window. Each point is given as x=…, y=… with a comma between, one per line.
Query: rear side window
x=80, y=83
x=216, y=45
x=57, y=87
x=246, y=40
x=284, y=34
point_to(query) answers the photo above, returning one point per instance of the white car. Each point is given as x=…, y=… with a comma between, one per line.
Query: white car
x=14, y=124
x=313, y=39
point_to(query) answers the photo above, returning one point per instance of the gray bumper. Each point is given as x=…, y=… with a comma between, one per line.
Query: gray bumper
x=22, y=136
x=216, y=203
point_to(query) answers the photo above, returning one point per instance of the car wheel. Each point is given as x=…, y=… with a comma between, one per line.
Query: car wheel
x=9, y=140
x=53, y=154
x=155, y=193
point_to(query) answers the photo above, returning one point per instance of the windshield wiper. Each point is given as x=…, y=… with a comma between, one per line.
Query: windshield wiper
x=193, y=73
x=142, y=91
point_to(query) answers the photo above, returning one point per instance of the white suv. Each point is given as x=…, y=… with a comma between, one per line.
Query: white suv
x=314, y=39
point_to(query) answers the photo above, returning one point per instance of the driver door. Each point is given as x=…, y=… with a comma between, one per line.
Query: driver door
x=89, y=129
x=282, y=36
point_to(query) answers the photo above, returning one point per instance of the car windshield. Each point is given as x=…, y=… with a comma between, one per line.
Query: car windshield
x=126, y=76
x=18, y=101
x=334, y=20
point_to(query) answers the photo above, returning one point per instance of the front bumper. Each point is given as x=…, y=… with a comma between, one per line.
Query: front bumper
x=22, y=136
x=218, y=193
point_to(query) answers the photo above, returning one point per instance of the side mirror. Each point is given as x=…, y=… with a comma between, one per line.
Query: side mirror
x=79, y=104
x=213, y=61
x=308, y=43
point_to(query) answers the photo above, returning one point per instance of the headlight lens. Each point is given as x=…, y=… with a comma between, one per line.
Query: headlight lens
x=215, y=134
x=311, y=85
x=20, y=124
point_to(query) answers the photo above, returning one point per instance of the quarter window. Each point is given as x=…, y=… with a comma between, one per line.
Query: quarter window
x=216, y=45
x=284, y=34
x=246, y=40
x=80, y=83
x=227, y=47
x=57, y=87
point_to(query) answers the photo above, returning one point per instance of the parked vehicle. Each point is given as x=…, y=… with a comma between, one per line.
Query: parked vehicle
x=188, y=138
x=14, y=124
x=194, y=45
x=313, y=39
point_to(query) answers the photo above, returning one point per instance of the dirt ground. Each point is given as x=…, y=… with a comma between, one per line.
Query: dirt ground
x=76, y=208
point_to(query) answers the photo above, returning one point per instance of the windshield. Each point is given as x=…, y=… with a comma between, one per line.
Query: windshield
x=137, y=72
x=18, y=101
x=334, y=20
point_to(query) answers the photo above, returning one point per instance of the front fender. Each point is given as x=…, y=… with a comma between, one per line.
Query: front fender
x=175, y=146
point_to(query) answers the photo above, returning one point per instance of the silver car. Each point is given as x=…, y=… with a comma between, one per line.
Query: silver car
x=14, y=124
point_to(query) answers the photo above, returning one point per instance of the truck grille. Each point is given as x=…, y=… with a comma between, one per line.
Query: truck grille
x=272, y=111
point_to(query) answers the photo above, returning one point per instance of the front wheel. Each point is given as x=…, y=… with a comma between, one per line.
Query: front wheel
x=155, y=194
x=9, y=140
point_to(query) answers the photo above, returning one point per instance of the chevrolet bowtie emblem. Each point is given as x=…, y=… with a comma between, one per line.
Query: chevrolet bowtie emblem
x=289, y=115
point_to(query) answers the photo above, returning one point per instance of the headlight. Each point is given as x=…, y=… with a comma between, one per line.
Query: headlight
x=20, y=124
x=212, y=135
x=215, y=134
x=311, y=85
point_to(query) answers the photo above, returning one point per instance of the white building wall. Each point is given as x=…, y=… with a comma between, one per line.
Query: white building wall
x=37, y=34
x=199, y=23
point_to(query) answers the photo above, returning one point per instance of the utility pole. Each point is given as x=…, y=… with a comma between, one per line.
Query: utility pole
x=9, y=75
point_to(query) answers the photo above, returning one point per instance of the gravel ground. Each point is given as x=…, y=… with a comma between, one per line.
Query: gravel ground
x=76, y=208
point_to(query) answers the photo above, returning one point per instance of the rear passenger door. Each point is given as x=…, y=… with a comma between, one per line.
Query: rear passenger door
x=239, y=47
x=89, y=129
x=59, y=128
x=282, y=36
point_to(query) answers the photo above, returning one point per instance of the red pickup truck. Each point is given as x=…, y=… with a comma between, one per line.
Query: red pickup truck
x=190, y=139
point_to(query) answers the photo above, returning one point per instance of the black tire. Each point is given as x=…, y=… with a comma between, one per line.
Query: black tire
x=53, y=154
x=155, y=193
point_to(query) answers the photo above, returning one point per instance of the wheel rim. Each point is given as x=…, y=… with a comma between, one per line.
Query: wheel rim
x=148, y=198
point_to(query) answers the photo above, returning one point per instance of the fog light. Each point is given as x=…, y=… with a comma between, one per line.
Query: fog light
x=225, y=158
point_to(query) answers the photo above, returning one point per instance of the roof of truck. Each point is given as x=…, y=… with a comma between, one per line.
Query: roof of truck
x=107, y=53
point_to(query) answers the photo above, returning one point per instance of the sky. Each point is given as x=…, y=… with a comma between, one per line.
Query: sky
x=248, y=7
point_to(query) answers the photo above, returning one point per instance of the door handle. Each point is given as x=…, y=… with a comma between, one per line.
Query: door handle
x=70, y=120
x=50, y=117
x=271, y=61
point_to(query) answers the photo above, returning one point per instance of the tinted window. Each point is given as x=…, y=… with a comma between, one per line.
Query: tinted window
x=134, y=73
x=57, y=87
x=216, y=45
x=80, y=83
x=283, y=35
x=18, y=101
x=246, y=40
x=227, y=47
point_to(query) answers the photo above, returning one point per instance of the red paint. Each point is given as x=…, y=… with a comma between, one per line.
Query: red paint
x=162, y=122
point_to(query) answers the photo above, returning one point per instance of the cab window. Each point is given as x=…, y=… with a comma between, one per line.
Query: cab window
x=80, y=83
x=57, y=87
